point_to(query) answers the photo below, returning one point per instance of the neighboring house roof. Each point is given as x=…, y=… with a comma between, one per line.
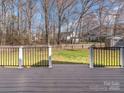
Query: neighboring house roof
x=105, y=31
x=96, y=31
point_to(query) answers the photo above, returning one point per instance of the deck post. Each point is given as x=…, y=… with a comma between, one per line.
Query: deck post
x=20, y=57
x=121, y=57
x=91, y=57
x=49, y=56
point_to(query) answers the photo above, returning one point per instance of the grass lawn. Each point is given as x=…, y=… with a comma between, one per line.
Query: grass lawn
x=70, y=56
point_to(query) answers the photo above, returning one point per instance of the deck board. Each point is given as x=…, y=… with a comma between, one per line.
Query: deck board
x=62, y=79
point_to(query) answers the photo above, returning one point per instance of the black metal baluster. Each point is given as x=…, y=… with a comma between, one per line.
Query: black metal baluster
x=4, y=56
x=119, y=56
x=1, y=57
x=33, y=56
x=105, y=56
x=115, y=50
x=100, y=57
x=25, y=57
x=44, y=56
x=7, y=56
x=116, y=54
x=39, y=56
x=16, y=55
x=36, y=60
x=28, y=49
x=109, y=57
x=113, y=57
x=30, y=62
x=96, y=57
x=116, y=60
x=13, y=55
x=48, y=56
x=17, y=51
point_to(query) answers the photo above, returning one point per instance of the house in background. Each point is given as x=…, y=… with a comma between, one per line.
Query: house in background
x=95, y=33
x=117, y=37
x=115, y=41
x=105, y=32
x=70, y=37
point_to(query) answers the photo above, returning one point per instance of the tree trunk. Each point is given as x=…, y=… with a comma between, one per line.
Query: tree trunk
x=46, y=22
x=59, y=32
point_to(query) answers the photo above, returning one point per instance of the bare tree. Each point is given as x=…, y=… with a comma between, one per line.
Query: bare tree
x=62, y=7
x=30, y=10
x=3, y=21
x=103, y=13
x=46, y=8
x=86, y=9
x=45, y=12
x=19, y=19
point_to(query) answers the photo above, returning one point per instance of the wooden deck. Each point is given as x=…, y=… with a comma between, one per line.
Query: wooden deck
x=62, y=79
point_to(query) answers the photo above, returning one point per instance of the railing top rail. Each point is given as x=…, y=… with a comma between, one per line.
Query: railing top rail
x=25, y=46
x=106, y=47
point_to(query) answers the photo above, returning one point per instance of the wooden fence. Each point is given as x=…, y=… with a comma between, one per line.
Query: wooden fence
x=78, y=46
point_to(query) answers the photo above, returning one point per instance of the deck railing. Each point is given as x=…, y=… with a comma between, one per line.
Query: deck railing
x=24, y=56
x=106, y=57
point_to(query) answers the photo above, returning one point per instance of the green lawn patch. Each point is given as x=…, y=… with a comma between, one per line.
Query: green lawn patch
x=70, y=56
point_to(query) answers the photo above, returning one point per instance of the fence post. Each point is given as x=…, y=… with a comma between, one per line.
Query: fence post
x=91, y=57
x=20, y=57
x=121, y=57
x=49, y=56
